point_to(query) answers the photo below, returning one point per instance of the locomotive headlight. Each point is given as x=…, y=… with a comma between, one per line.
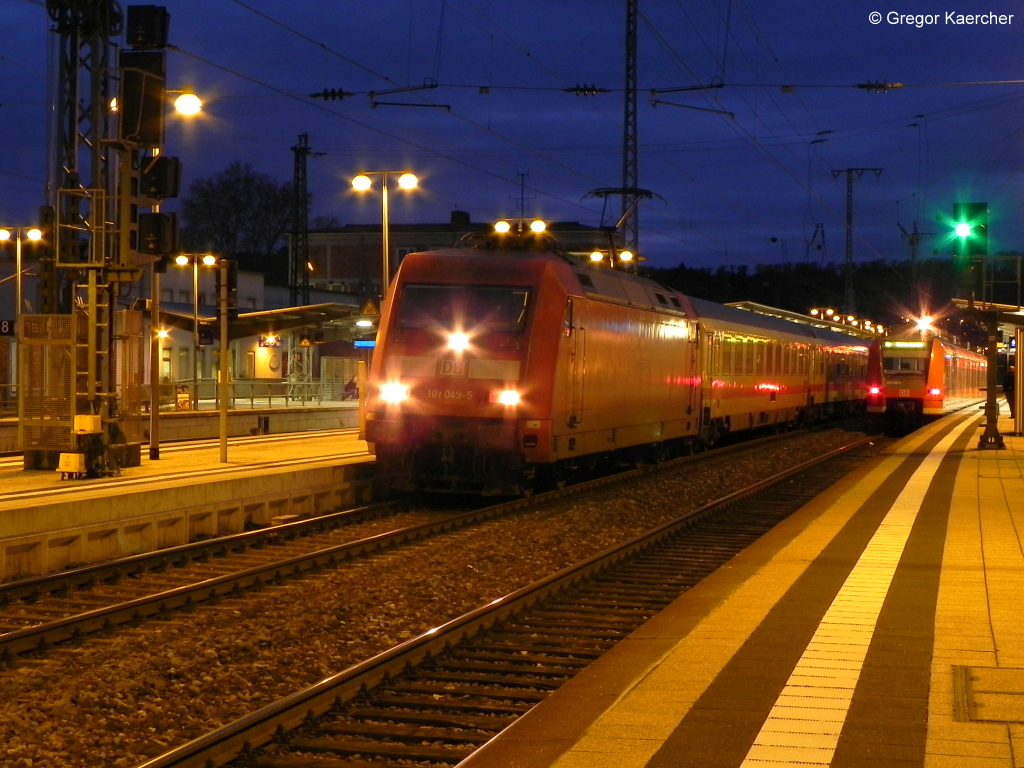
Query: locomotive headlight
x=934, y=391
x=875, y=390
x=459, y=342
x=505, y=396
x=393, y=392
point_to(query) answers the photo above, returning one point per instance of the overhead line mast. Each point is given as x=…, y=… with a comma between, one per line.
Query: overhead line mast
x=298, y=278
x=630, y=173
x=849, y=301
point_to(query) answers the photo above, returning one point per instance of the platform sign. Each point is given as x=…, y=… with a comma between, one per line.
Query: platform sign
x=369, y=309
x=6, y=327
x=364, y=343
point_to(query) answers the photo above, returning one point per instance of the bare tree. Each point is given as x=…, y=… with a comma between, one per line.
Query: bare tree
x=238, y=214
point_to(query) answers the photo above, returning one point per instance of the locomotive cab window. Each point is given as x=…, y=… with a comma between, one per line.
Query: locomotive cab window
x=482, y=309
x=904, y=364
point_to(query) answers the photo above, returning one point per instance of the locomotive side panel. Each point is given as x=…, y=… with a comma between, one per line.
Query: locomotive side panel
x=625, y=375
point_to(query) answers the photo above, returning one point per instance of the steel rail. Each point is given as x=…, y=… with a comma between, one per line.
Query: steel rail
x=220, y=747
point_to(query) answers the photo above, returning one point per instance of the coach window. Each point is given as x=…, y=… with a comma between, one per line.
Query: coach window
x=760, y=352
x=567, y=319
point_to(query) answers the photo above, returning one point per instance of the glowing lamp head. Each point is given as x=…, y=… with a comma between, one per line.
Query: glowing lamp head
x=408, y=180
x=181, y=260
x=5, y=235
x=963, y=229
x=393, y=392
x=188, y=104
x=625, y=255
x=208, y=260
x=537, y=226
x=924, y=323
x=162, y=333
x=34, y=234
x=361, y=183
x=505, y=397
x=458, y=342
x=596, y=256
x=502, y=227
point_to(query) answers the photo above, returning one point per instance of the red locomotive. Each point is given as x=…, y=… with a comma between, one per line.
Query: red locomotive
x=926, y=374
x=500, y=364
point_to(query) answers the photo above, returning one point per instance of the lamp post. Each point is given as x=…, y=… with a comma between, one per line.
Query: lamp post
x=195, y=259
x=35, y=235
x=362, y=182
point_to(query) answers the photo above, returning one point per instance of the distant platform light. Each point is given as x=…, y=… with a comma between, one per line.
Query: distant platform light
x=408, y=180
x=596, y=256
x=502, y=227
x=361, y=182
x=537, y=225
x=924, y=323
x=364, y=323
x=625, y=255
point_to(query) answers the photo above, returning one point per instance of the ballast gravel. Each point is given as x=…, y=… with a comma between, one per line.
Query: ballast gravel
x=120, y=700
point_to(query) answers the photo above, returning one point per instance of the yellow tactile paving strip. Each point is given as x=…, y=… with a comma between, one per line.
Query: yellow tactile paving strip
x=804, y=725
x=631, y=731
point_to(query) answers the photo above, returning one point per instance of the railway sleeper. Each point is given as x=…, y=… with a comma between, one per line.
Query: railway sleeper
x=452, y=755
x=498, y=678
x=562, y=625
x=488, y=723
x=515, y=656
x=510, y=665
x=414, y=702
x=483, y=646
x=414, y=733
x=468, y=690
x=550, y=665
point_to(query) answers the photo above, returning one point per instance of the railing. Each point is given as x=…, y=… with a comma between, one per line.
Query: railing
x=177, y=396
x=245, y=393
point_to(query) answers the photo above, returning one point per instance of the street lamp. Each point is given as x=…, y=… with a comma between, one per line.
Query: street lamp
x=195, y=259
x=362, y=183
x=35, y=235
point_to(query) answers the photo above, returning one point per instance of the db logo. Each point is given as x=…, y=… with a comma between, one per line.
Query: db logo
x=453, y=368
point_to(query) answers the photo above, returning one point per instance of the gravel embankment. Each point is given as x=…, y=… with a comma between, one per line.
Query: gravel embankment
x=120, y=700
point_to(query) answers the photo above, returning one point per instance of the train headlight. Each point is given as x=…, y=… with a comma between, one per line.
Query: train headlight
x=875, y=390
x=459, y=342
x=934, y=391
x=394, y=392
x=505, y=396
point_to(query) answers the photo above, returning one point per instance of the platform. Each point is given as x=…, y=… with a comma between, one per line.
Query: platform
x=881, y=625
x=47, y=523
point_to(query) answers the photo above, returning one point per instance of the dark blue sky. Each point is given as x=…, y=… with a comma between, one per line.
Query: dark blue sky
x=746, y=189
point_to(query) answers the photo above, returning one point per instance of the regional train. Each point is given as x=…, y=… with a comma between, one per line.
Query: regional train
x=507, y=362
x=926, y=374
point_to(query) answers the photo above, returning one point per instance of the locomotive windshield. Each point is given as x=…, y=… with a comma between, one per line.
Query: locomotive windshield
x=482, y=309
x=904, y=364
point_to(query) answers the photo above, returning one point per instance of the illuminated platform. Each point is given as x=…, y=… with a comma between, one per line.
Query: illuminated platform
x=881, y=625
x=47, y=523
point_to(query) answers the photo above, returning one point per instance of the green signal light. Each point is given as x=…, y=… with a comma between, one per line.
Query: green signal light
x=963, y=229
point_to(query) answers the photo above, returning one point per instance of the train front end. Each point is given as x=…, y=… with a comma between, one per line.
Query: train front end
x=456, y=400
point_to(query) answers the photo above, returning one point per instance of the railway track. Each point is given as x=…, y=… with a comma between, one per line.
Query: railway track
x=38, y=613
x=436, y=698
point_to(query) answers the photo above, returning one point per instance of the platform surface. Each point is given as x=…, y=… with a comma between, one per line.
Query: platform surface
x=244, y=453
x=880, y=625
